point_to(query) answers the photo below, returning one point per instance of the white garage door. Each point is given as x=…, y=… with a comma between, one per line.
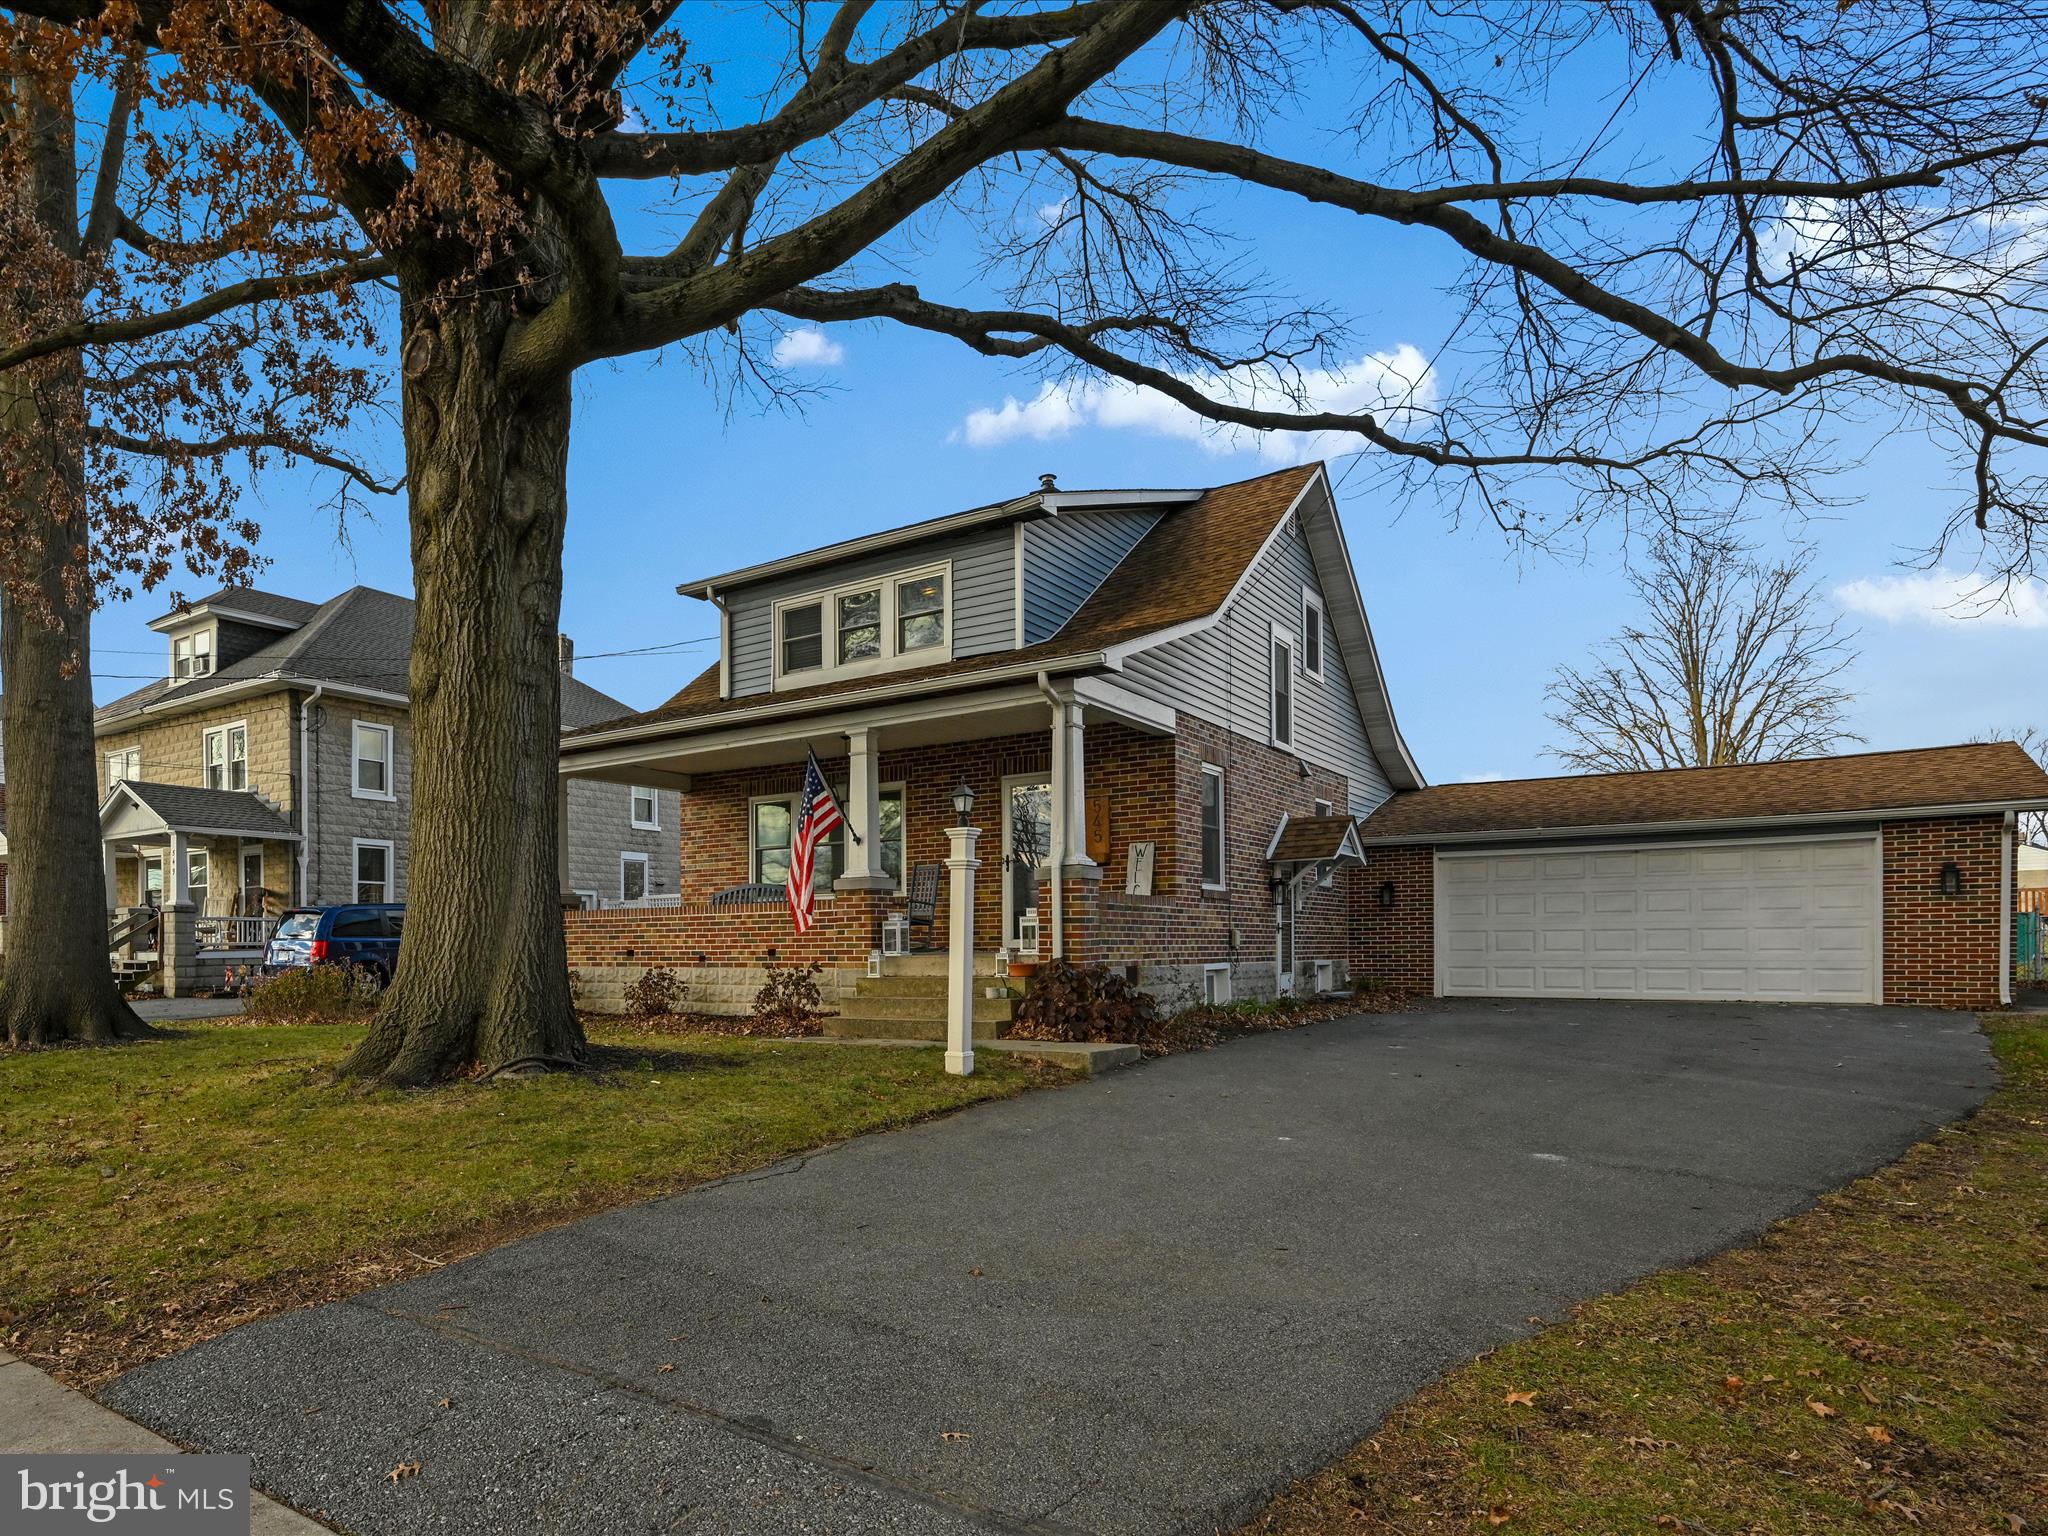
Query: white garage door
x=1770, y=921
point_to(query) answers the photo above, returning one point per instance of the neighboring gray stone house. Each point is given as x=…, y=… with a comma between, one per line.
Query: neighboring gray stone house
x=283, y=725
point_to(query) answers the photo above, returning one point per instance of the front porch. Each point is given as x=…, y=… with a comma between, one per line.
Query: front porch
x=1065, y=779
x=195, y=878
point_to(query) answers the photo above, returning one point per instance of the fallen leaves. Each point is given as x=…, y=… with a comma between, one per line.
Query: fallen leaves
x=1520, y=1399
x=1878, y=1433
x=1498, y=1515
x=956, y=1434
x=1819, y=1409
x=402, y=1471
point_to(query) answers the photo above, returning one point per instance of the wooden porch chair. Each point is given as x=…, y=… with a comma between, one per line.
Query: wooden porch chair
x=923, y=903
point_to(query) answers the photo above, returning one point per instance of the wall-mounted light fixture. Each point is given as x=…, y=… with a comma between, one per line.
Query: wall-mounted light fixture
x=1386, y=893
x=1951, y=879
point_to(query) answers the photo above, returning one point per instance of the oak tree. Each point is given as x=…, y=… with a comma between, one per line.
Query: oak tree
x=1779, y=217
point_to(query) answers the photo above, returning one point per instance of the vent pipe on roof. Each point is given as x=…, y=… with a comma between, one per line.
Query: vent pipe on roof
x=1048, y=483
x=565, y=655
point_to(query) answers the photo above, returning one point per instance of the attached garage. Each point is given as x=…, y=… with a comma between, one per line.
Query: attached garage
x=1783, y=920
x=1878, y=877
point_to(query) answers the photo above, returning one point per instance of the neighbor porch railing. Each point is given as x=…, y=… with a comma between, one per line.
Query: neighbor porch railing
x=231, y=932
x=644, y=903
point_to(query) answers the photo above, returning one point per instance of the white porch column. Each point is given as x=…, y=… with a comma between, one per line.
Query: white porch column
x=177, y=886
x=864, y=870
x=110, y=866
x=1073, y=794
x=960, y=952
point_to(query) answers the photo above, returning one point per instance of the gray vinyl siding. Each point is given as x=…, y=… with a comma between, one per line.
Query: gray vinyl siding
x=984, y=599
x=601, y=828
x=340, y=817
x=1066, y=559
x=1221, y=673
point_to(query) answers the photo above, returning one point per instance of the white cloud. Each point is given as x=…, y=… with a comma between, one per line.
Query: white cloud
x=1484, y=778
x=1391, y=383
x=1943, y=596
x=807, y=347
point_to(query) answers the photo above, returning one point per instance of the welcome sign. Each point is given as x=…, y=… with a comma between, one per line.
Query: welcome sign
x=134, y=1495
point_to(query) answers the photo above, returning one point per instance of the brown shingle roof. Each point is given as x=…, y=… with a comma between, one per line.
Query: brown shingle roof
x=1311, y=839
x=1980, y=774
x=1182, y=570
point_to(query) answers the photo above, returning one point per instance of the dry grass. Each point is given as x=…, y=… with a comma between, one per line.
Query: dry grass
x=1877, y=1364
x=160, y=1193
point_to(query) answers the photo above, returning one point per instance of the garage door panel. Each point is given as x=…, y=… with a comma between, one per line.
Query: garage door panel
x=1777, y=920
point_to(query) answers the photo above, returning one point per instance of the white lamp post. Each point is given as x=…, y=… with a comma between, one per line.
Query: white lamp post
x=960, y=937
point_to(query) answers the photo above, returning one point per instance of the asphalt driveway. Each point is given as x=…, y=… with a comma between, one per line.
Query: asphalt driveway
x=1137, y=1305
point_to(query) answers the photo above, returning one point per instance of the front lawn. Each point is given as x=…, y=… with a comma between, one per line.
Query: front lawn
x=159, y=1193
x=1877, y=1364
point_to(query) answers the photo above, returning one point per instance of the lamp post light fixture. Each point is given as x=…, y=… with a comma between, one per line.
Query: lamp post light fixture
x=963, y=835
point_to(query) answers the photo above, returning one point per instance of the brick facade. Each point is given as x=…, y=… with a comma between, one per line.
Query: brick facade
x=1153, y=787
x=1942, y=951
x=1396, y=946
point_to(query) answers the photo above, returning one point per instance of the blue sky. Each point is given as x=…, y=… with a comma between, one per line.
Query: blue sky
x=666, y=486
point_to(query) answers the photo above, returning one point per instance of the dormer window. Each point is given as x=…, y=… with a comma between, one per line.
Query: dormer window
x=903, y=619
x=192, y=655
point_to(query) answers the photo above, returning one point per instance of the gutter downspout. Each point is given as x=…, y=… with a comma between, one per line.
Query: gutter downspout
x=2005, y=909
x=1059, y=853
x=306, y=708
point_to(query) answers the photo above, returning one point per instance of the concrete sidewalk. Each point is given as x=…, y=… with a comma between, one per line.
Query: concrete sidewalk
x=39, y=1415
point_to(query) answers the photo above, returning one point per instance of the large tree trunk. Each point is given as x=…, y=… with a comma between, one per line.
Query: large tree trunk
x=56, y=984
x=483, y=977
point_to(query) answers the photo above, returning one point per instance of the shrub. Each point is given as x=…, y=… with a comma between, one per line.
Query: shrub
x=1086, y=1002
x=789, y=1002
x=314, y=994
x=658, y=993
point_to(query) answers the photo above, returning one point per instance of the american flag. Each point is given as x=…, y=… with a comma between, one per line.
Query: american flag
x=817, y=817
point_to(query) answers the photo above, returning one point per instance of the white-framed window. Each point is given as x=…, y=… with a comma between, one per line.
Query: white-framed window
x=1311, y=634
x=1324, y=808
x=192, y=655
x=370, y=767
x=1216, y=984
x=373, y=866
x=901, y=619
x=124, y=767
x=225, y=754
x=632, y=877
x=1282, y=716
x=198, y=876
x=646, y=809
x=771, y=821
x=1212, y=827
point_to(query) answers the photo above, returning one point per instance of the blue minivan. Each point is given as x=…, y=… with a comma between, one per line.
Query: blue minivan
x=363, y=936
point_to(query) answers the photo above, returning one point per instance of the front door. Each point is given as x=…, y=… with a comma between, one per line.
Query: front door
x=1283, y=945
x=1027, y=844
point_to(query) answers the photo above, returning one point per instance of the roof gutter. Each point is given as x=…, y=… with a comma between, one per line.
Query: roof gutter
x=1059, y=852
x=243, y=688
x=1718, y=824
x=1080, y=661
x=305, y=796
x=2005, y=908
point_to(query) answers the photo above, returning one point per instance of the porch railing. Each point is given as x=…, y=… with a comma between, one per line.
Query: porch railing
x=643, y=903
x=231, y=932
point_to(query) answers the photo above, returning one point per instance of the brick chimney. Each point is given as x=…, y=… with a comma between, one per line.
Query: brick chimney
x=565, y=655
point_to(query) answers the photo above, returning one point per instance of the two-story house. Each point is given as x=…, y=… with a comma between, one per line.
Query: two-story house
x=271, y=766
x=1172, y=717
x=1167, y=703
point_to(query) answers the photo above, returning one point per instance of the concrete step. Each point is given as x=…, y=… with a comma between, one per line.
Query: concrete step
x=856, y=1027
x=996, y=1010
x=931, y=986
x=934, y=964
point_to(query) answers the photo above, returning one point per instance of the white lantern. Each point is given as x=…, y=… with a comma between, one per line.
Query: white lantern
x=874, y=965
x=1027, y=932
x=895, y=934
